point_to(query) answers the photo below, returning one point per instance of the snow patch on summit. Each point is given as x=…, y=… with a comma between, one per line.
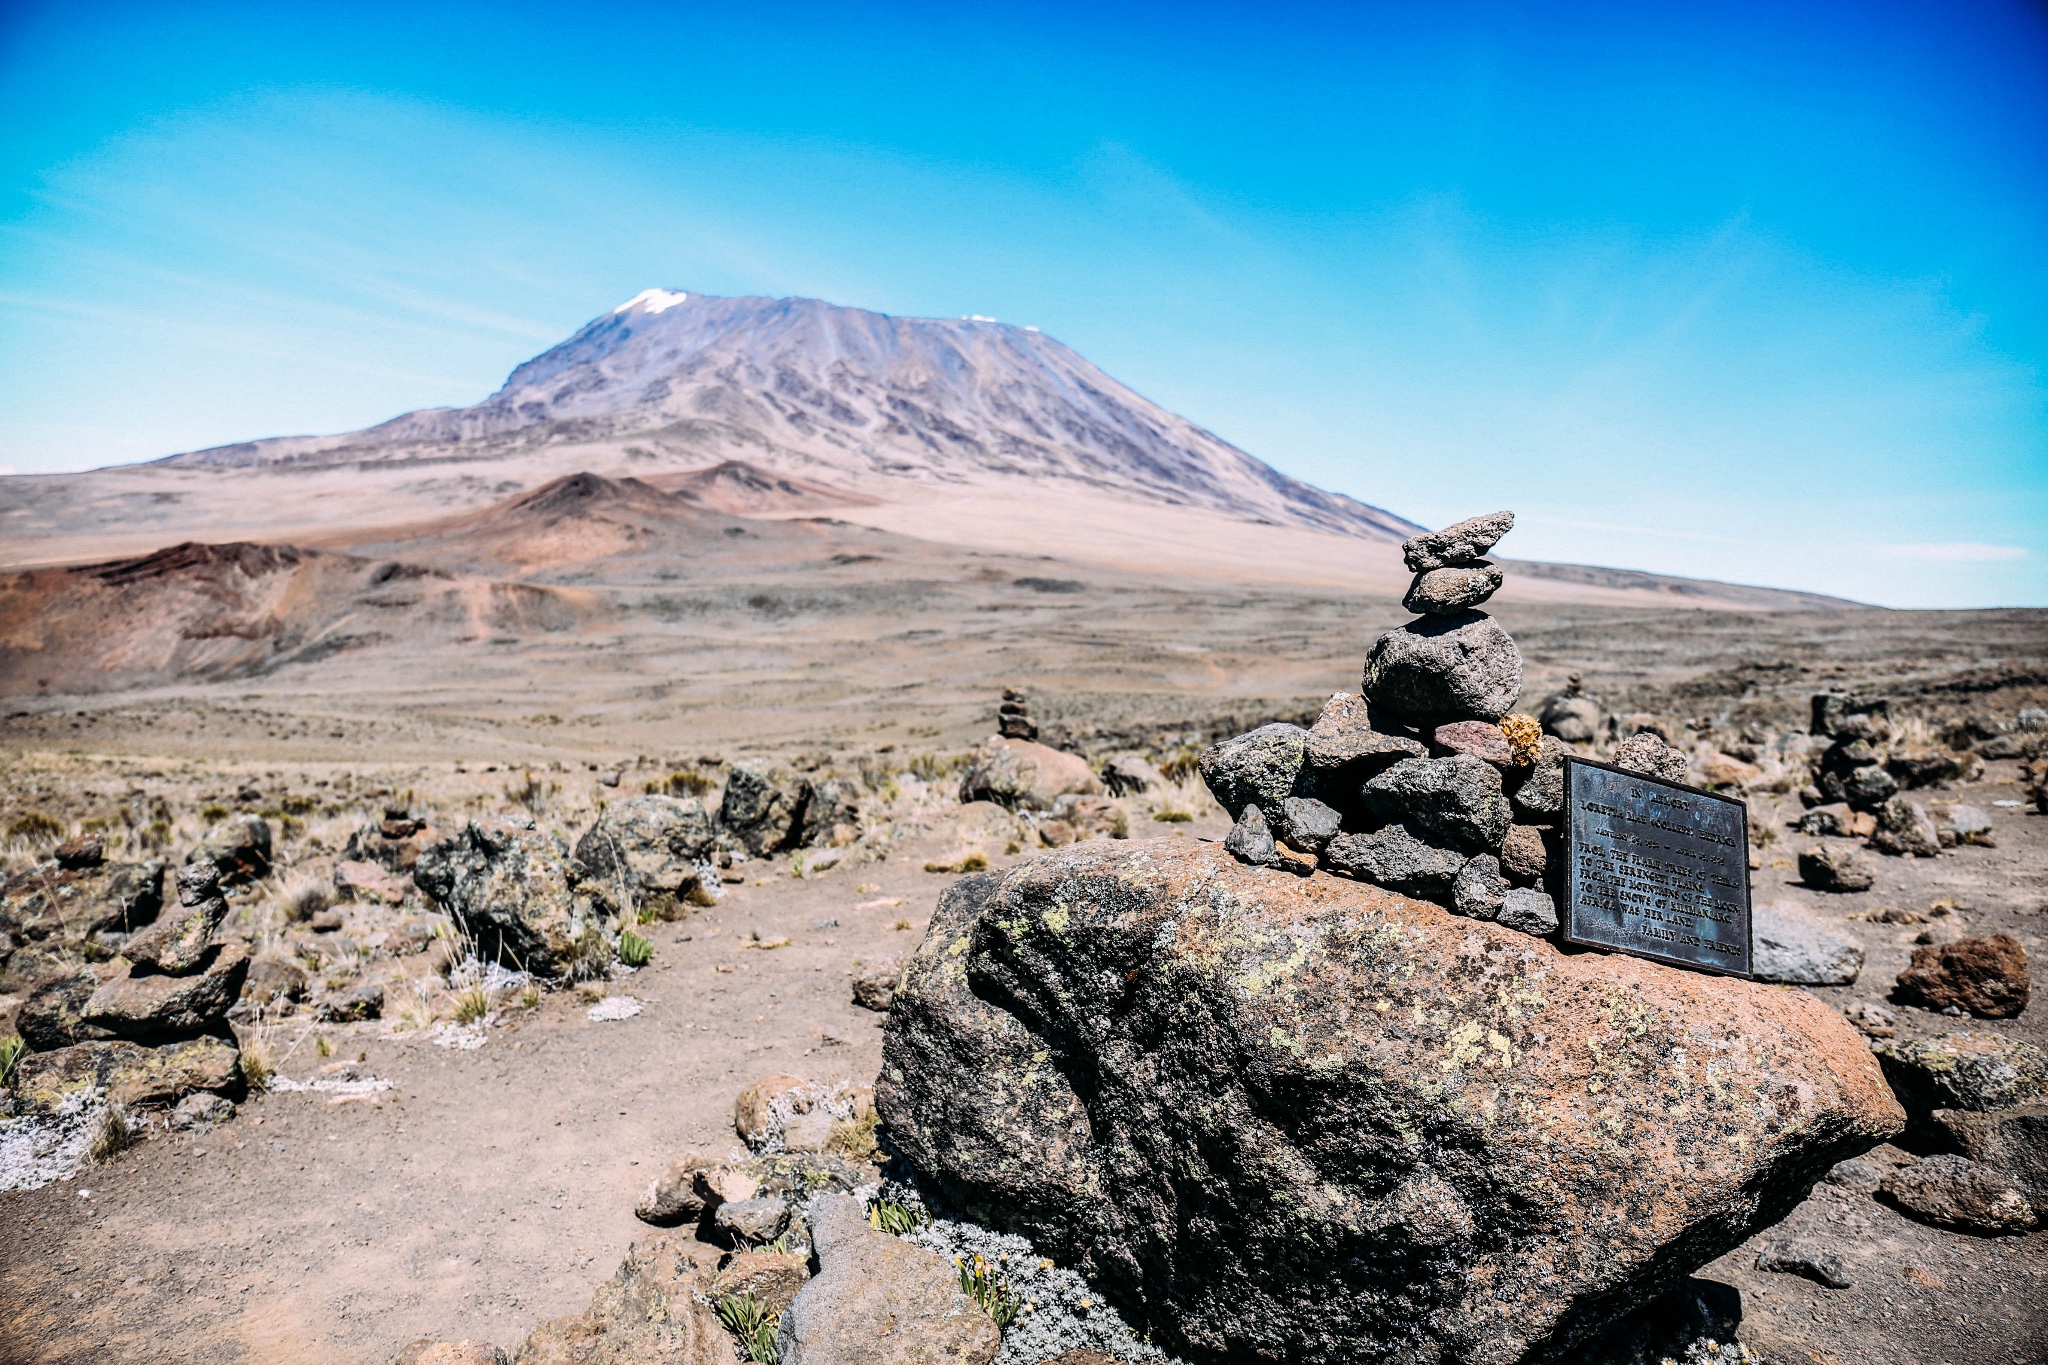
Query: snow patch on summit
x=653, y=301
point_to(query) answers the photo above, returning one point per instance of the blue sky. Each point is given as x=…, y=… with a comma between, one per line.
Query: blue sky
x=1756, y=293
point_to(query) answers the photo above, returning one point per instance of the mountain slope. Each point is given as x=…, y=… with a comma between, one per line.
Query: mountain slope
x=843, y=395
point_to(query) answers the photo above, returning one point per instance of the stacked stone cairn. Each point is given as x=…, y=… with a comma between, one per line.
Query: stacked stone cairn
x=151, y=1030
x=1013, y=717
x=1423, y=782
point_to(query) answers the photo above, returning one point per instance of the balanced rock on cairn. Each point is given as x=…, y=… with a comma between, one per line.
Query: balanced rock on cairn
x=1423, y=783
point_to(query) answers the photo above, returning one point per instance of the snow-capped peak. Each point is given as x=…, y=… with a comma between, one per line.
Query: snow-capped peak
x=653, y=301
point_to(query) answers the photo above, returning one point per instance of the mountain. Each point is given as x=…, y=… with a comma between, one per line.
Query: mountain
x=845, y=397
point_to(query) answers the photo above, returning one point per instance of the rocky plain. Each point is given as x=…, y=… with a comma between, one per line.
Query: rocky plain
x=604, y=924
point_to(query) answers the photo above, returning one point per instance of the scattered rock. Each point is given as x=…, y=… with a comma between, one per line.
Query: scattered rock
x=1829, y=867
x=764, y=809
x=653, y=1309
x=1250, y=840
x=76, y=903
x=808, y=1132
x=1794, y=947
x=81, y=851
x=1528, y=911
x=1131, y=775
x=1872, y=1019
x=773, y=1277
x=878, y=1300
x=1646, y=754
x=1448, y=591
x=1855, y=1174
x=1836, y=820
x=1725, y=770
x=1986, y=976
x=1445, y=668
x=1956, y=1192
x=367, y=882
x=1919, y=767
x=1479, y=890
x=1396, y=859
x=239, y=847
x=201, y=1111
x=1221, y=1018
x=158, y=1008
x=506, y=883
x=1814, y=1262
x=1260, y=768
x=2011, y=1141
x=1025, y=776
x=1456, y=799
x=875, y=987
x=1307, y=824
x=273, y=978
x=1092, y=816
x=1975, y=1072
x=1905, y=827
x=646, y=853
x=1524, y=857
x=751, y=1222
x=1462, y=543
x=754, y=1114
x=180, y=940
x=1570, y=715
x=1971, y=825
x=1349, y=743
x=674, y=1196
x=364, y=1002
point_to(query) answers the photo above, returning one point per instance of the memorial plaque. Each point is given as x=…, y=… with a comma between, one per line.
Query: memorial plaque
x=1655, y=868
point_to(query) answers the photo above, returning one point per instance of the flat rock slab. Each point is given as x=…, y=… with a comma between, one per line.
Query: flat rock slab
x=878, y=1300
x=1312, y=1120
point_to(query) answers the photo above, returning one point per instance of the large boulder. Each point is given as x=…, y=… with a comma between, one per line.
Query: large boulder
x=239, y=846
x=1976, y=1073
x=1443, y=668
x=1024, y=775
x=1295, y=1120
x=644, y=853
x=879, y=1300
x=507, y=885
x=763, y=808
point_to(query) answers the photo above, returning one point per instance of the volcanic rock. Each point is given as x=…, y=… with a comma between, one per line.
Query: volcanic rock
x=78, y=902
x=238, y=846
x=643, y=853
x=1475, y=1131
x=1865, y=788
x=1970, y=825
x=364, y=1002
x=1131, y=775
x=1307, y=824
x=2012, y=1141
x=879, y=1300
x=272, y=978
x=80, y=852
x=1528, y=911
x=773, y=1277
x=764, y=809
x=1537, y=792
x=1905, y=827
x=1644, y=753
x=1349, y=743
x=751, y=1222
x=201, y=1112
x=1570, y=715
x=1481, y=739
x=654, y=1308
x=1479, y=890
x=506, y=883
x=1795, y=947
x=1448, y=591
x=832, y=819
x=1456, y=799
x=1974, y=1072
x=1830, y=867
x=158, y=1008
x=1445, y=668
x=1251, y=840
x=1986, y=976
x=128, y=1072
x=875, y=987
x=1396, y=859
x=674, y=1196
x=1523, y=855
x=1025, y=776
x=1259, y=767
x=1923, y=767
x=1462, y=543
x=53, y=1016
x=354, y=880
x=177, y=942
x=1013, y=717
x=1814, y=1262
x=1956, y=1192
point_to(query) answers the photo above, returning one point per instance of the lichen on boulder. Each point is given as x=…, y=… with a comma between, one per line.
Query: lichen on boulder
x=1307, y=1119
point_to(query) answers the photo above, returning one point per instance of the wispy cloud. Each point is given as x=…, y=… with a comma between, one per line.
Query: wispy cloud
x=1964, y=552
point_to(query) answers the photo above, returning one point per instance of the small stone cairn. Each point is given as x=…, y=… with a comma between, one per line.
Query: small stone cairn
x=1013, y=717
x=1424, y=782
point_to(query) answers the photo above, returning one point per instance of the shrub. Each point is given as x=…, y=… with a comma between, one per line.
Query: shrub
x=690, y=782
x=116, y=1134
x=304, y=897
x=256, y=1065
x=36, y=828
x=213, y=814
x=472, y=1005
x=634, y=951
x=749, y=1319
